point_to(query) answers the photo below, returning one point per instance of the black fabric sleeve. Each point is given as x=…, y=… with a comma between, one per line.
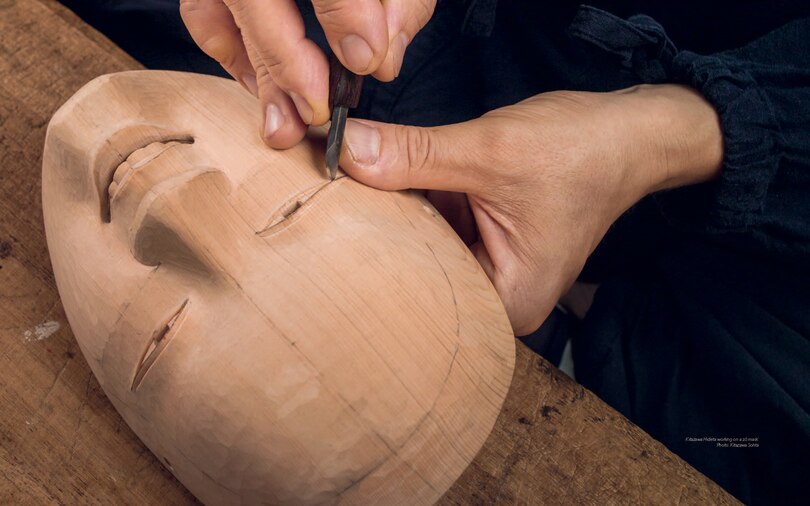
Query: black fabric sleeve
x=761, y=200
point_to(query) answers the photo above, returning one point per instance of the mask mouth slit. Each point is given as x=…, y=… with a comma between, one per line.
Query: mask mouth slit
x=160, y=339
x=105, y=175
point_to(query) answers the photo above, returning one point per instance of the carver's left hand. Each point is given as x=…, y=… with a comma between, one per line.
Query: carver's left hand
x=544, y=178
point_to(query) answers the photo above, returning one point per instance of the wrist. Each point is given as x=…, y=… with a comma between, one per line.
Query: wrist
x=678, y=139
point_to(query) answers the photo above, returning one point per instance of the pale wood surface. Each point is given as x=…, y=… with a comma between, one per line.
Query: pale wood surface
x=62, y=442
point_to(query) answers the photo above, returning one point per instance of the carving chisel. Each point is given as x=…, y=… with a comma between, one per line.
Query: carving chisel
x=344, y=93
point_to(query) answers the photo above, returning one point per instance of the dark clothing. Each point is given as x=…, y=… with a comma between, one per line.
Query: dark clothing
x=701, y=325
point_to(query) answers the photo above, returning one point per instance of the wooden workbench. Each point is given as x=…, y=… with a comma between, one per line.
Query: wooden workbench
x=61, y=441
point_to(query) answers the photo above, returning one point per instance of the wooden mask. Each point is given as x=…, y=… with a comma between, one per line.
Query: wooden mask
x=273, y=337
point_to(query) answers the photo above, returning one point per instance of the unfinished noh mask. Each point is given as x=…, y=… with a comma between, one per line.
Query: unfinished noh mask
x=272, y=336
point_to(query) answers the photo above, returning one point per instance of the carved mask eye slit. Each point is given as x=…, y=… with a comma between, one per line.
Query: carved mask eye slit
x=295, y=205
x=160, y=339
x=114, y=178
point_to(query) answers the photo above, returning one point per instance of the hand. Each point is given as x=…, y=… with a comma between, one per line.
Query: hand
x=261, y=43
x=544, y=179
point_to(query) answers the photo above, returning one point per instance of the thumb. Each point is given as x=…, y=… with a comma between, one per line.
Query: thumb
x=398, y=157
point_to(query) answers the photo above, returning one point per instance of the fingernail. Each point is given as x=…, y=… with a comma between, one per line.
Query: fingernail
x=250, y=83
x=357, y=52
x=363, y=142
x=398, y=52
x=273, y=119
x=304, y=110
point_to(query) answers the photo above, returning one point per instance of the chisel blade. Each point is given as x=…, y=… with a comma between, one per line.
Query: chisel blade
x=334, y=141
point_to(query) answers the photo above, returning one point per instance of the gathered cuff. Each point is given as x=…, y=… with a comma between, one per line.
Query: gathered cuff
x=751, y=153
x=752, y=149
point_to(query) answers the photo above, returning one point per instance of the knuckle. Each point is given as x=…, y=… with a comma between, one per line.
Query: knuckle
x=236, y=5
x=267, y=63
x=216, y=45
x=420, y=151
x=262, y=73
x=333, y=12
x=241, y=10
x=267, y=86
x=272, y=59
x=276, y=70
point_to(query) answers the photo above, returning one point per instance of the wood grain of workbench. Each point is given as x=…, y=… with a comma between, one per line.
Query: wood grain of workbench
x=61, y=441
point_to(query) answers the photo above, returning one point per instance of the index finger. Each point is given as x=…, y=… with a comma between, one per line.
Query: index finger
x=210, y=24
x=275, y=30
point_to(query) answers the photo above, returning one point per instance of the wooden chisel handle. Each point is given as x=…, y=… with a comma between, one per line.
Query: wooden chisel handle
x=344, y=85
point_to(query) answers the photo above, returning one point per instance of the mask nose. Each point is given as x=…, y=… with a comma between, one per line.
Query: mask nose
x=187, y=221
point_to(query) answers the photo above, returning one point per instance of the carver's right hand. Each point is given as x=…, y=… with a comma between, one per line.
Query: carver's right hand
x=262, y=44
